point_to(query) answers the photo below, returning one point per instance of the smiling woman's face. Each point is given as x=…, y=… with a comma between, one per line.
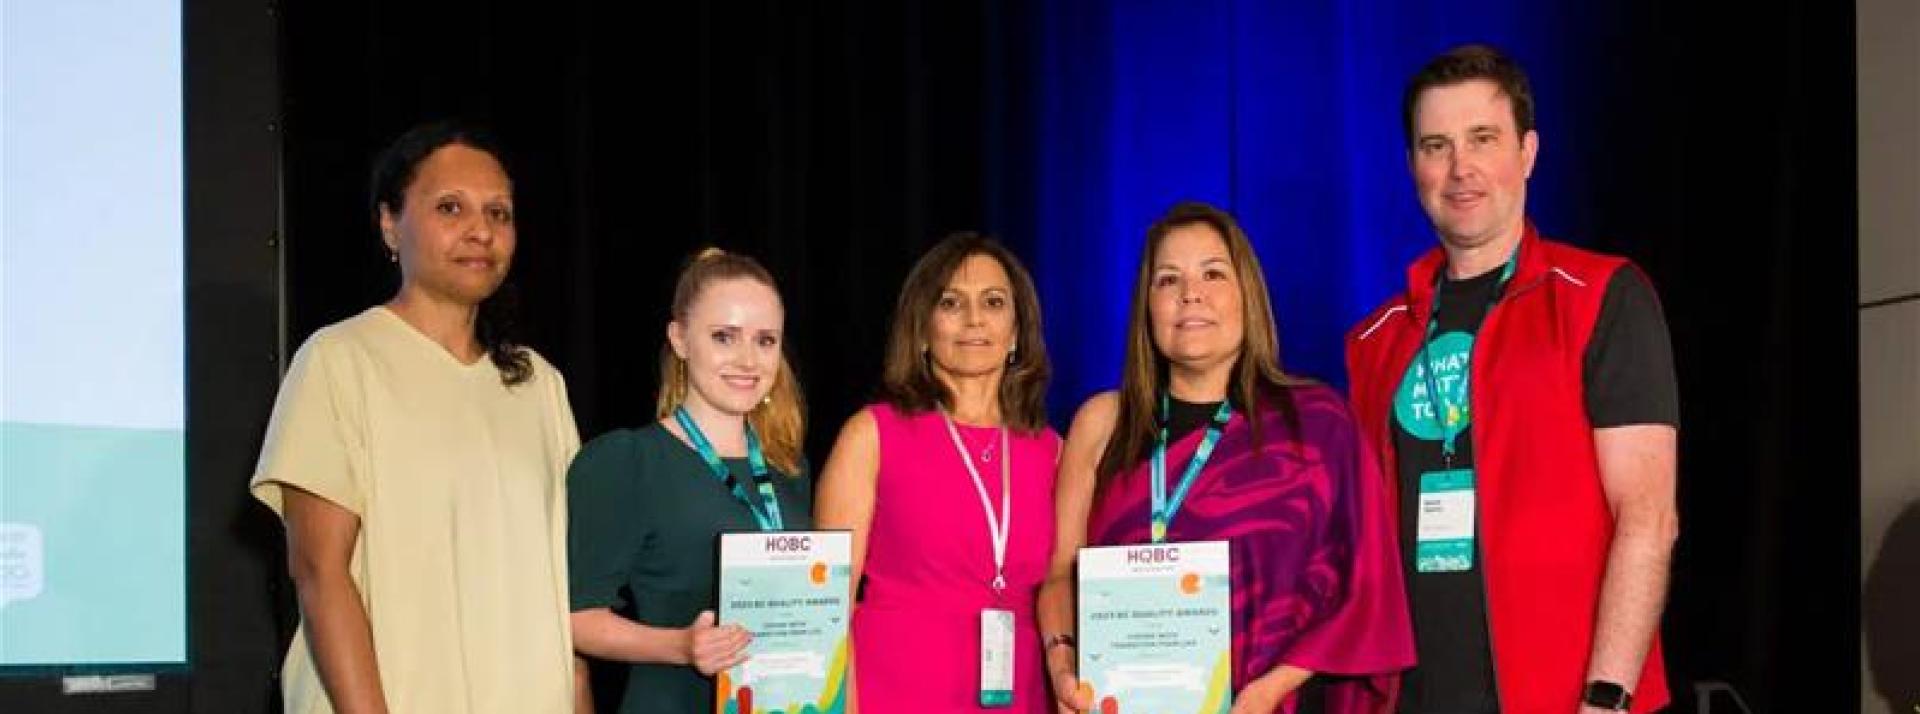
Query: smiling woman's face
x=972, y=329
x=1195, y=305
x=731, y=339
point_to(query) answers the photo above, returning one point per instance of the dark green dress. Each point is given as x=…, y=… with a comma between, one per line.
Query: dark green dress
x=642, y=534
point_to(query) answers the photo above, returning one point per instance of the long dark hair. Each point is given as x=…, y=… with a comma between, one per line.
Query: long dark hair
x=1257, y=375
x=908, y=383
x=395, y=170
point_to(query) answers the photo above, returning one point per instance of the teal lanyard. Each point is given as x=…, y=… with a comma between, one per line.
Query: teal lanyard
x=1453, y=411
x=767, y=513
x=1164, y=509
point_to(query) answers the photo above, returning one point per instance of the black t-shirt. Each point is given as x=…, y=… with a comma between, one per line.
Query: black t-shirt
x=1184, y=417
x=1628, y=375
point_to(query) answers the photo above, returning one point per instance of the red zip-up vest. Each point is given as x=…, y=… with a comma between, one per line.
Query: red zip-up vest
x=1544, y=524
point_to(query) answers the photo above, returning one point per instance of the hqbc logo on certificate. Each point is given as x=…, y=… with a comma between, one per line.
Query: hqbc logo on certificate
x=1153, y=630
x=791, y=590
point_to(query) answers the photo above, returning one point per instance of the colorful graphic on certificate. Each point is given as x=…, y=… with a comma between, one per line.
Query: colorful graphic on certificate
x=791, y=590
x=1154, y=628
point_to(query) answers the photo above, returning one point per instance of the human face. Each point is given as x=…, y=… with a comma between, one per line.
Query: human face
x=1194, y=303
x=971, y=332
x=731, y=340
x=1470, y=164
x=454, y=235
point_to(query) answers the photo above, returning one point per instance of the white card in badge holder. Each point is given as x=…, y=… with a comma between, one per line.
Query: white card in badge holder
x=1445, y=530
x=996, y=658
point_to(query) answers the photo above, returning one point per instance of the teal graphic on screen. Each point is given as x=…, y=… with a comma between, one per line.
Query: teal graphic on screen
x=92, y=357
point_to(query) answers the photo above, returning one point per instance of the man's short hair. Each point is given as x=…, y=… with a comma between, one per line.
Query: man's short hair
x=1467, y=63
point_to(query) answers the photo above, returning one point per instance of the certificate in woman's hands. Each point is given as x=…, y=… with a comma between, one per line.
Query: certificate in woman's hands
x=1154, y=627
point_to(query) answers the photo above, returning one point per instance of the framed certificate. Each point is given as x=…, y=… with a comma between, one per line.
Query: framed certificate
x=791, y=590
x=1154, y=628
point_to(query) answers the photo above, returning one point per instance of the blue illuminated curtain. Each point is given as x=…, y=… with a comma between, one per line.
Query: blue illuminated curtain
x=1287, y=114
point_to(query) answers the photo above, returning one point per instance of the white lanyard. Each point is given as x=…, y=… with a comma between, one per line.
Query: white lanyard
x=998, y=526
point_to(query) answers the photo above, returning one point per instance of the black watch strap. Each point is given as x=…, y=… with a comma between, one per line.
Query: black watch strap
x=1607, y=695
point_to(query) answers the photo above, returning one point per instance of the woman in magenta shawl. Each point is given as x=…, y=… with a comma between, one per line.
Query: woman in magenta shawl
x=1319, y=611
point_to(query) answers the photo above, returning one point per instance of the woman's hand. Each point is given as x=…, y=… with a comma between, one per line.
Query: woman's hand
x=1256, y=700
x=1073, y=488
x=713, y=649
x=1263, y=695
x=1066, y=684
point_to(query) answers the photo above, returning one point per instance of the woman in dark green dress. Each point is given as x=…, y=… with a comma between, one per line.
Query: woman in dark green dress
x=646, y=504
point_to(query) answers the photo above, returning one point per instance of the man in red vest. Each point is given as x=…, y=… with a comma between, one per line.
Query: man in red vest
x=1521, y=395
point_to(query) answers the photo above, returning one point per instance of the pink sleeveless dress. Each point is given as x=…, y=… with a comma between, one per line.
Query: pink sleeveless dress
x=930, y=564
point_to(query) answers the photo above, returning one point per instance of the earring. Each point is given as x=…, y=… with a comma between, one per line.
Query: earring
x=1013, y=356
x=393, y=256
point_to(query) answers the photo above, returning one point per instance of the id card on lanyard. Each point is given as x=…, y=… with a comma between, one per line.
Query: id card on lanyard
x=766, y=513
x=1444, y=531
x=996, y=623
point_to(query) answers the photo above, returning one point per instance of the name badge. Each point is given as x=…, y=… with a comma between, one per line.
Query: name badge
x=996, y=658
x=1444, y=534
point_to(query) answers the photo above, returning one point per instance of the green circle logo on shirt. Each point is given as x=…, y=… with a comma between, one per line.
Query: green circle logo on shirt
x=1414, y=406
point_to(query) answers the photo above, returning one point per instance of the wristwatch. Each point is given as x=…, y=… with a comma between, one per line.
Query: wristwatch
x=1607, y=695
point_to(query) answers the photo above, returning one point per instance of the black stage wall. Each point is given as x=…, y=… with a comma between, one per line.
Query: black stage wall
x=831, y=142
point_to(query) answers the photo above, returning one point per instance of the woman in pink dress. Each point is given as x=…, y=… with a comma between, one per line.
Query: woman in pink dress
x=947, y=485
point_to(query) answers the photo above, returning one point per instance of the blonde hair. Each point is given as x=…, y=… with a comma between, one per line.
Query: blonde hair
x=780, y=419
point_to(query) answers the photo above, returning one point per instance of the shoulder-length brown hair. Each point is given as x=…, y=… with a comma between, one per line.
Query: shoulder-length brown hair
x=1257, y=374
x=780, y=420
x=908, y=382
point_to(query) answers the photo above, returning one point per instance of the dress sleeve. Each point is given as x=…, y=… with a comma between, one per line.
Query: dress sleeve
x=1364, y=630
x=604, y=533
x=564, y=446
x=566, y=433
x=314, y=439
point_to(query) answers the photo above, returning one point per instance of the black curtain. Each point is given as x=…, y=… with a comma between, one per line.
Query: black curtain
x=832, y=142
x=1726, y=166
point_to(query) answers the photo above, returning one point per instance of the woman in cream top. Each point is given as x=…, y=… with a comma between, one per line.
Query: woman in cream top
x=417, y=459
